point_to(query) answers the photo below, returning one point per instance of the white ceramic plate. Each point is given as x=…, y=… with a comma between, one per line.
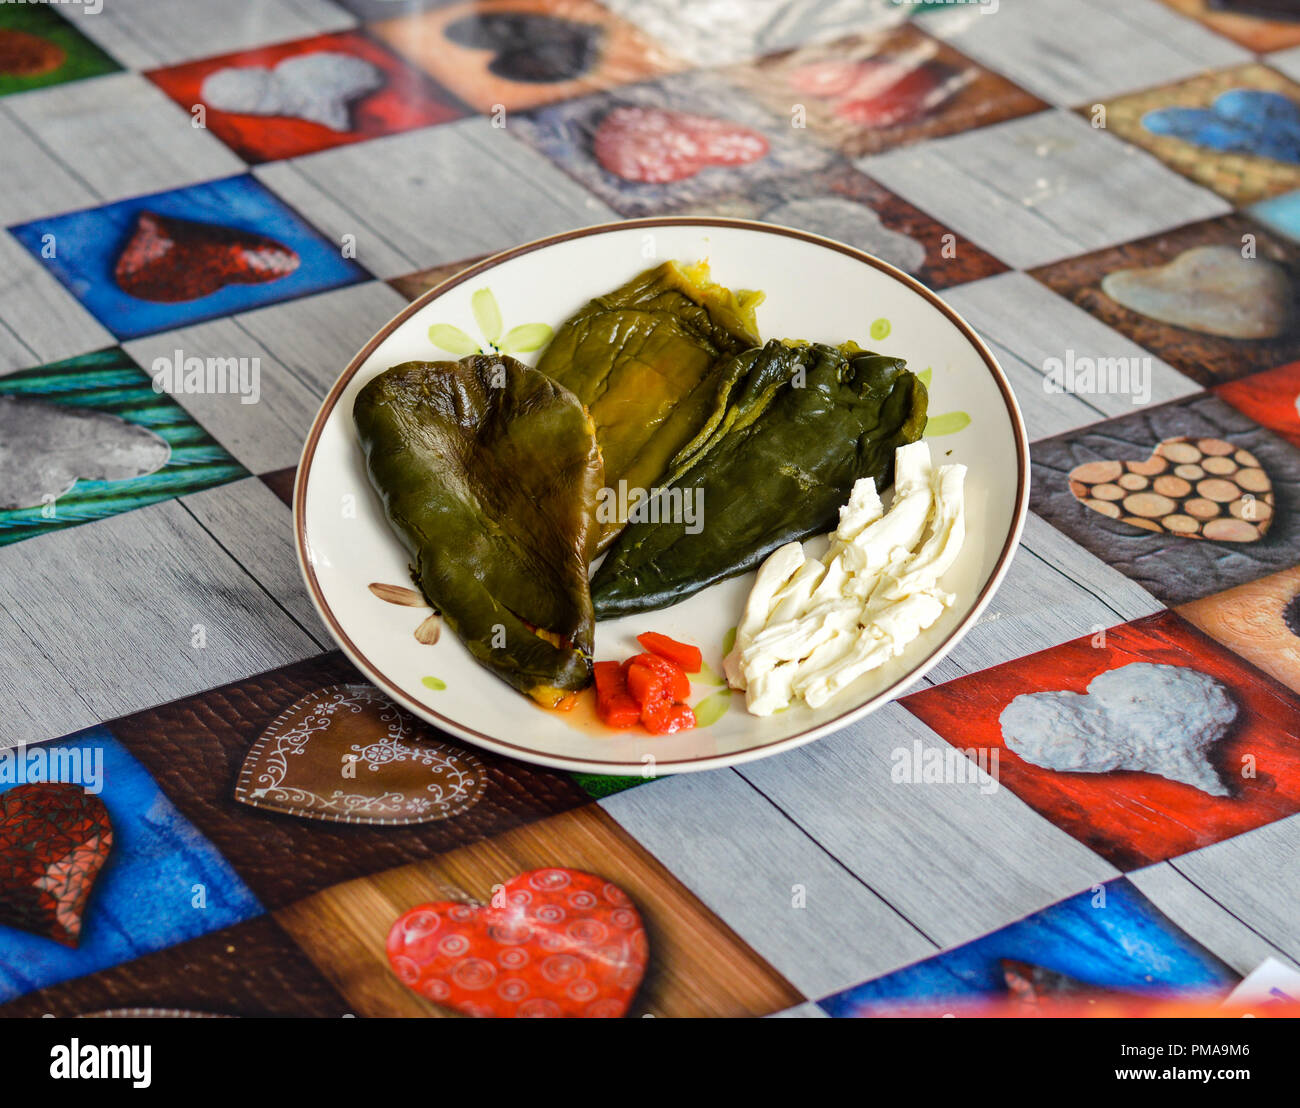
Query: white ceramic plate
x=817, y=290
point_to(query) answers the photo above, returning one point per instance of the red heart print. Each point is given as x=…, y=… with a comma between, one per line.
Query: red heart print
x=554, y=942
x=24, y=55
x=656, y=146
x=167, y=260
x=54, y=840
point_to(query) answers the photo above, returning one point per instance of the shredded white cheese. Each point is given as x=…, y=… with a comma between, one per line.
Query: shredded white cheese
x=813, y=626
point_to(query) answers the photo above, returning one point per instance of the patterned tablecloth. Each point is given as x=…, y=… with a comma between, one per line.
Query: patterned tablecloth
x=1108, y=190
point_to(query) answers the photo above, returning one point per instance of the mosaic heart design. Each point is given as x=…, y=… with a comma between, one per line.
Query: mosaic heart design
x=1193, y=488
x=1211, y=289
x=1240, y=121
x=347, y=754
x=655, y=145
x=54, y=840
x=24, y=55
x=167, y=260
x=554, y=942
x=534, y=49
x=878, y=92
x=317, y=87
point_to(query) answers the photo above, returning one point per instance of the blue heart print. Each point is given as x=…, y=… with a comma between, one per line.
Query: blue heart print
x=1240, y=121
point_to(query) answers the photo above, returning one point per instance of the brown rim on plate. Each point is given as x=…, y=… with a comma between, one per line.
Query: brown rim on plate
x=711, y=761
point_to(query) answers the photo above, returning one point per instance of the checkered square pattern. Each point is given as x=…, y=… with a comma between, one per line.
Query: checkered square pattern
x=1128, y=190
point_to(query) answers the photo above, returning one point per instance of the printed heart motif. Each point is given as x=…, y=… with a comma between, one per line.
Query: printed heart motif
x=1193, y=488
x=534, y=49
x=24, y=55
x=54, y=840
x=1211, y=289
x=347, y=754
x=554, y=942
x=656, y=145
x=1142, y=717
x=316, y=87
x=1240, y=121
x=48, y=447
x=878, y=92
x=168, y=260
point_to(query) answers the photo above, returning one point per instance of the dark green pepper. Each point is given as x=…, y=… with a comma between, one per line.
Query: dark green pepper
x=796, y=425
x=488, y=471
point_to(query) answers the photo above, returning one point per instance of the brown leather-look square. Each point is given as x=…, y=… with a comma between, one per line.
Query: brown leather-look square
x=195, y=748
x=251, y=969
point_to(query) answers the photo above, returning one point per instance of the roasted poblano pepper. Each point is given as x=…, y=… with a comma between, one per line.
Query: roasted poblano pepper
x=646, y=359
x=795, y=426
x=488, y=471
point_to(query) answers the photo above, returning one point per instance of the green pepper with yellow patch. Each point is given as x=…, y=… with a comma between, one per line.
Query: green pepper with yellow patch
x=645, y=359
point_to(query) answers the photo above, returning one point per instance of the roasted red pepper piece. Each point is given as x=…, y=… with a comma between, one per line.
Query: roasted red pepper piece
x=677, y=686
x=646, y=685
x=665, y=718
x=648, y=689
x=681, y=654
x=614, y=704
